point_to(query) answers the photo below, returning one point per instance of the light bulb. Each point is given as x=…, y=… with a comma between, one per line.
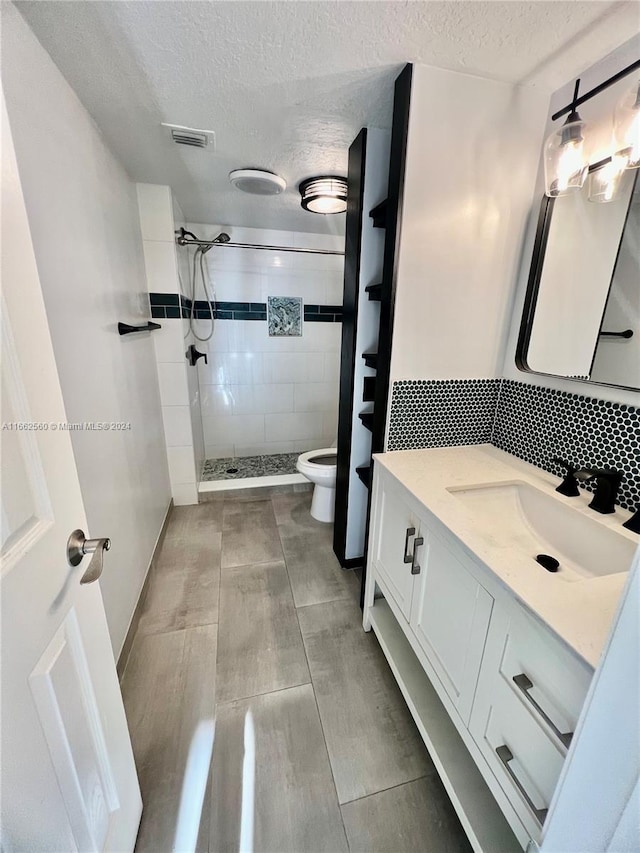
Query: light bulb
x=627, y=127
x=605, y=181
x=571, y=161
x=565, y=161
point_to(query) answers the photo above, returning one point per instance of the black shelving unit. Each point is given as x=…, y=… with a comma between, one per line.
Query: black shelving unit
x=367, y=419
x=374, y=291
x=379, y=215
x=364, y=472
x=369, y=389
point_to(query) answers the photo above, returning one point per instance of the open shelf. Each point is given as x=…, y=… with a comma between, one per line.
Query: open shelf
x=379, y=215
x=374, y=292
x=478, y=811
x=367, y=419
x=364, y=472
x=370, y=359
x=369, y=389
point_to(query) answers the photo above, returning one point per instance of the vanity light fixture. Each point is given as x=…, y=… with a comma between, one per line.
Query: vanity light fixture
x=604, y=180
x=565, y=162
x=325, y=194
x=627, y=126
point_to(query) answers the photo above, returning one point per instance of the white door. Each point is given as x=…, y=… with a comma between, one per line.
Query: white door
x=68, y=776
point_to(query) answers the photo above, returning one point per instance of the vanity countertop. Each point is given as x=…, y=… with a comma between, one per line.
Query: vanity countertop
x=579, y=612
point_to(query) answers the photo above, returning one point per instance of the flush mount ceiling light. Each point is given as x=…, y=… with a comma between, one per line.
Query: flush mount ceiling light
x=565, y=161
x=257, y=181
x=627, y=127
x=326, y=194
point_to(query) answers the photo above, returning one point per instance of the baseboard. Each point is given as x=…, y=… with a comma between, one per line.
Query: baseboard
x=125, y=651
x=352, y=563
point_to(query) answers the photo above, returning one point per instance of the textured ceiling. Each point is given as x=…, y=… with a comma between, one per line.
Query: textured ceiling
x=286, y=86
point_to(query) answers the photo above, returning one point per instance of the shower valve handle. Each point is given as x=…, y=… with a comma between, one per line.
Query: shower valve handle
x=193, y=355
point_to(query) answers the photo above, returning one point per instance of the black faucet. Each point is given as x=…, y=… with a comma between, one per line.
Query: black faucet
x=569, y=486
x=607, y=484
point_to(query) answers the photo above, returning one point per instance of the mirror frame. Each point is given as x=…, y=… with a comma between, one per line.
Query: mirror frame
x=533, y=286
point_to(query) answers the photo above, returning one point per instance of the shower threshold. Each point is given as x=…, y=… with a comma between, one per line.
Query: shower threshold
x=242, y=472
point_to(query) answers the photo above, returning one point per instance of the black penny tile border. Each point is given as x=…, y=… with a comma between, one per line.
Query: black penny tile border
x=537, y=423
x=529, y=421
x=174, y=305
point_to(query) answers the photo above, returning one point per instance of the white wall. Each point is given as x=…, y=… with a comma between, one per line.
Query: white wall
x=472, y=153
x=84, y=223
x=598, y=112
x=262, y=394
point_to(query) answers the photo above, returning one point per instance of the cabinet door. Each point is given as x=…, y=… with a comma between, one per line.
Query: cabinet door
x=450, y=618
x=396, y=528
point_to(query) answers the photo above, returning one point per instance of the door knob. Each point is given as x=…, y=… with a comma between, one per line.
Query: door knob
x=78, y=546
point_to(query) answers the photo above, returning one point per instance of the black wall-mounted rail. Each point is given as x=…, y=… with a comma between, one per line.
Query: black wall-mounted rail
x=596, y=90
x=125, y=329
x=628, y=333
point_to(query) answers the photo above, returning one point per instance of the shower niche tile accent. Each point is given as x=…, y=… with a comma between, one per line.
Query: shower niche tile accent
x=284, y=316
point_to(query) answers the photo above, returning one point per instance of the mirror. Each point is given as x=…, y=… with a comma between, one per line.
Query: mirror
x=581, y=318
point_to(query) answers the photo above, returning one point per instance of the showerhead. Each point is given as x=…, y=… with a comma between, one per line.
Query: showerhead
x=223, y=237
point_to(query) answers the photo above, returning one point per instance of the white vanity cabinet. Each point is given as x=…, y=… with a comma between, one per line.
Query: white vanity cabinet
x=446, y=609
x=495, y=694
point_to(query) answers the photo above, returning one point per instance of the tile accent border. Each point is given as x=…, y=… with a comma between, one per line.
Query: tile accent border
x=531, y=422
x=441, y=412
x=167, y=306
x=537, y=423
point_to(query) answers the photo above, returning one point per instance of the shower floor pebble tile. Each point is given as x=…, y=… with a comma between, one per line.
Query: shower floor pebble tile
x=241, y=467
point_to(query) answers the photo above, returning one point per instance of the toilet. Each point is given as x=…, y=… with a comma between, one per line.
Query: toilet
x=320, y=466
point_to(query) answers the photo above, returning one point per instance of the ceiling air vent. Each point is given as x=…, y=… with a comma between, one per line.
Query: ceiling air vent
x=191, y=136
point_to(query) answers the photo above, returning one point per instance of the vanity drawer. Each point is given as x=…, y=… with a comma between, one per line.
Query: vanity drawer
x=536, y=667
x=523, y=758
x=530, y=693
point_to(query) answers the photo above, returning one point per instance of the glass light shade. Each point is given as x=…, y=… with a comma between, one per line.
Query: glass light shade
x=324, y=194
x=565, y=160
x=626, y=127
x=604, y=182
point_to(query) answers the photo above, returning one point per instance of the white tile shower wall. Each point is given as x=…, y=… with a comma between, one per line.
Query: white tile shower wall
x=179, y=392
x=270, y=395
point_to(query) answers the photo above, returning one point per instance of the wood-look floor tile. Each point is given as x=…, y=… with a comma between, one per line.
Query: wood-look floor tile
x=259, y=643
x=250, y=534
x=293, y=806
x=372, y=740
x=169, y=691
x=412, y=818
x=314, y=571
x=184, y=589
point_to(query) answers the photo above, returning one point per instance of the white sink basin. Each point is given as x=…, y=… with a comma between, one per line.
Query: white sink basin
x=518, y=515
